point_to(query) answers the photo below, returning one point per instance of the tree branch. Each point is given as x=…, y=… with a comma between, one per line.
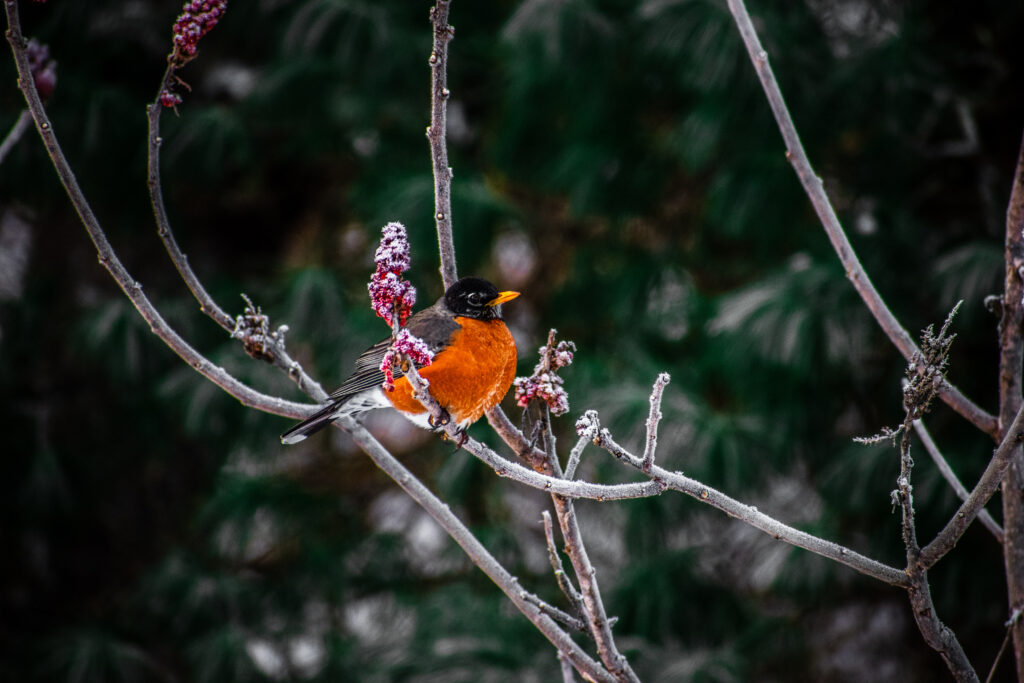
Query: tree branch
x=1011, y=356
x=986, y=486
x=436, y=134
x=475, y=550
x=749, y=514
x=950, y=476
x=651, y=443
x=815, y=190
x=206, y=303
x=278, y=355
x=15, y=134
x=108, y=258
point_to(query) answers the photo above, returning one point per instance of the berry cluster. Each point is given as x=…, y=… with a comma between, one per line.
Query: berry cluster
x=195, y=21
x=392, y=298
x=544, y=383
x=390, y=295
x=414, y=348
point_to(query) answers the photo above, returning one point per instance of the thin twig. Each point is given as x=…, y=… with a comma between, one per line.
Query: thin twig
x=749, y=514
x=651, y=443
x=279, y=354
x=108, y=258
x=559, y=615
x=566, y=666
x=564, y=582
x=206, y=303
x=950, y=476
x=474, y=549
x=436, y=134
x=15, y=134
x=983, y=490
x=586, y=575
x=574, y=457
x=815, y=190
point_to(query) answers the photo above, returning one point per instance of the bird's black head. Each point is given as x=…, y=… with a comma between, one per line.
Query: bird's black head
x=474, y=297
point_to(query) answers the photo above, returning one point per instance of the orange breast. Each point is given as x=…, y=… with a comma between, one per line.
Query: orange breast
x=468, y=377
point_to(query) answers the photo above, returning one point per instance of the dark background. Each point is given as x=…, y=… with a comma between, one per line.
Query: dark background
x=617, y=163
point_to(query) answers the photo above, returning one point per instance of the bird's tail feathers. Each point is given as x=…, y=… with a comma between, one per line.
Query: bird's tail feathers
x=348, y=404
x=312, y=424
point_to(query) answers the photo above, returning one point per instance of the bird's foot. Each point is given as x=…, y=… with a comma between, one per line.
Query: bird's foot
x=438, y=423
x=460, y=438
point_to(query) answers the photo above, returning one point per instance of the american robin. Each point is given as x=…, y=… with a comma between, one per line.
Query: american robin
x=473, y=367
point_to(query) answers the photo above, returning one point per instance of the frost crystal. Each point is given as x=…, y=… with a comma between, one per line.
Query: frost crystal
x=544, y=383
x=390, y=295
x=195, y=21
x=414, y=348
x=588, y=425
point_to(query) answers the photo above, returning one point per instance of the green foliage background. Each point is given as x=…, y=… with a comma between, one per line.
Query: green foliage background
x=153, y=529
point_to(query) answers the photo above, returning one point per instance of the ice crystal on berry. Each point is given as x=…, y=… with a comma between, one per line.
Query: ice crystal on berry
x=195, y=21
x=414, y=348
x=544, y=383
x=170, y=99
x=391, y=296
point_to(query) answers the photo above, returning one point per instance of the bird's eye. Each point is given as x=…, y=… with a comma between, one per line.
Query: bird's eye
x=474, y=298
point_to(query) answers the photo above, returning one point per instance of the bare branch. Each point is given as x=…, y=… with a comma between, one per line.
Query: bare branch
x=652, y=421
x=574, y=457
x=938, y=636
x=15, y=134
x=436, y=134
x=589, y=425
x=278, y=355
x=564, y=582
x=986, y=486
x=475, y=550
x=950, y=476
x=206, y=303
x=586, y=575
x=815, y=190
x=559, y=615
x=109, y=260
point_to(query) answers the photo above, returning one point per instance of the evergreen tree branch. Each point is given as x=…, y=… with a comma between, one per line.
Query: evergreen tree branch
x=815, y=190
x=950, y=476
x=108, y=258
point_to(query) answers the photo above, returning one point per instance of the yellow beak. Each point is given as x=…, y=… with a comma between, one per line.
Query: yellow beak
x=502, y=298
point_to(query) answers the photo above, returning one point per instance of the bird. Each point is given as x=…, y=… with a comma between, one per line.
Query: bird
x=473, y=366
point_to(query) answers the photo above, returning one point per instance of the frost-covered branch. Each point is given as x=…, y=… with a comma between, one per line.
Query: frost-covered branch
x=950, y=476
x=108, y=258
x=476, y=551
x=815, y=190
x=589, y=426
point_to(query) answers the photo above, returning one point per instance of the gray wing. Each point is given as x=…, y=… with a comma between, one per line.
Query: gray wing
x=433, y=325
